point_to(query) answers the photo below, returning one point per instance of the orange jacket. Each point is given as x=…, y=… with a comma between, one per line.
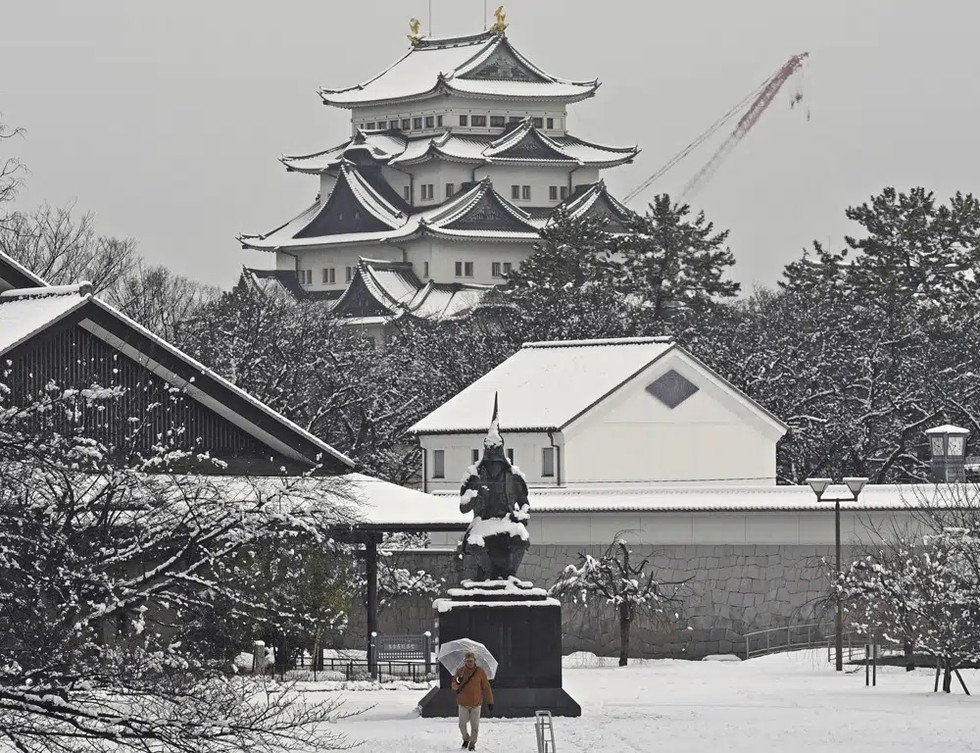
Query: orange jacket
x=476, y=687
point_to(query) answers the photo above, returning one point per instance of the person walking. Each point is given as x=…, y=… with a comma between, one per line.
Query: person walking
x=472, y=691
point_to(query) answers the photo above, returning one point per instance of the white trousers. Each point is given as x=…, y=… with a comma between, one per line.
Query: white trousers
x=470, y=714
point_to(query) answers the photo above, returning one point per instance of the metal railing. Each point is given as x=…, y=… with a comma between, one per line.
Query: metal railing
x=360, y=669
x=789, y=638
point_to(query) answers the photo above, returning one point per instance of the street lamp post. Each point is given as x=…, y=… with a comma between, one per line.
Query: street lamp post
x=819, y=487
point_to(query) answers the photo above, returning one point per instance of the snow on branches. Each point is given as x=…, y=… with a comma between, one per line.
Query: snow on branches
x=106, y=574
x=632, y=588
x=921, y=586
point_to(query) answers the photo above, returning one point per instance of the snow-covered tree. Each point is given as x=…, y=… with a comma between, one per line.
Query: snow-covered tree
x=103, y=569
x=921, y=586
x=631, y=587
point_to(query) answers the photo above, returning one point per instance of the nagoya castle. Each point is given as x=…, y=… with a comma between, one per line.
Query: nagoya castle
x=459, y=155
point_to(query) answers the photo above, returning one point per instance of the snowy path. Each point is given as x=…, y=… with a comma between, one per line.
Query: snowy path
x=780, y=703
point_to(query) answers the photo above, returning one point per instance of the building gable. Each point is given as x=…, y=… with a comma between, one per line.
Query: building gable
x=343, y=213
x=531, y=146
x=503, y=65
x=489, y=213
x=149, y=412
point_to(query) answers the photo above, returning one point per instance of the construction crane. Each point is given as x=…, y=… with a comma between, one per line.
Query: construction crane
x=760, y=97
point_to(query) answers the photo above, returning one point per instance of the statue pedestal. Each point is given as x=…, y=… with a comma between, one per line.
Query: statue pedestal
x=521, y=626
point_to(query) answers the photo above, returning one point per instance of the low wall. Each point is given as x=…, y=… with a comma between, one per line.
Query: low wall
x=730, y=590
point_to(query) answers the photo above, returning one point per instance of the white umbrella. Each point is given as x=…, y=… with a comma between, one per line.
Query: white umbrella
x=452, y=654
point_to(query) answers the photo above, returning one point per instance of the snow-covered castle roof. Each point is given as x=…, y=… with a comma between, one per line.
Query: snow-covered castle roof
x=484, y=65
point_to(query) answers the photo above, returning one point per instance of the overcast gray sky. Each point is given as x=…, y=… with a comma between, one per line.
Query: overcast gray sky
x=166, y=119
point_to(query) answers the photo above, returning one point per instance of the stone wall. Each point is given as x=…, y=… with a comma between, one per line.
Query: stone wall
x=730, y=590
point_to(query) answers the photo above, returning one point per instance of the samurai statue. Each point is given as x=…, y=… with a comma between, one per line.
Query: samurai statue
x=496, y=493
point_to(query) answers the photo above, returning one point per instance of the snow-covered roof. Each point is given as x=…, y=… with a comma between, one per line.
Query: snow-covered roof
x=667, y=498
x=392, y=287
x=24, y=312
x=477, y=214
x=587, y=371
x=481, y=65
x=13, y=274
x=394, y=148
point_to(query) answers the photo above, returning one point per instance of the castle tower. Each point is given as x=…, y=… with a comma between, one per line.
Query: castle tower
x=459, y=154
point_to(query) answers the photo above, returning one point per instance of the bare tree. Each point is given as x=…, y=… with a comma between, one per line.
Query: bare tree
x=631, y=588
x=63, y=248
x=159, y=299
x=10, y=170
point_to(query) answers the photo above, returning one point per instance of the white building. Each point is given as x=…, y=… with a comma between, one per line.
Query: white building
x=588, y=412
x=458, y=156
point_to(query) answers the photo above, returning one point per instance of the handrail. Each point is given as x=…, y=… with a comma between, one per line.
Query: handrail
x=787, y=638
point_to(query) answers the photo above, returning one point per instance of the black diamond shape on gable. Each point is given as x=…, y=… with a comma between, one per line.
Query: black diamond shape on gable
x=671, y=389
x=488, y=214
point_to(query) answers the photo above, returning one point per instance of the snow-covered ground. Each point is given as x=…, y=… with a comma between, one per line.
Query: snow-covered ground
x=782, y=703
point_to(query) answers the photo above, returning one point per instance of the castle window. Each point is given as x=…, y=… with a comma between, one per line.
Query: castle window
x=510, y=455
x=525, y=192
x=475, y=456
x=439, y=121
x=537, y=122
x=329, y=275
x=495, y=269
x=369, y=126
x=348, y=274
x=305, y=276
x=406, y=124
x=416, y=123
x=480, y=121
x=425, y=269
x=438, y=464
x=507, y=266
x=553, y=193
x=430, y=122
x=407, y=193
x=393, y=125
x=514, y=119
x=497, y=121
x=464, y=269
x=428, y=191
x=464, y=120
x=550, y=122
x=515, y=192
x=563, y=192
x=548, y=461
x=450, y=189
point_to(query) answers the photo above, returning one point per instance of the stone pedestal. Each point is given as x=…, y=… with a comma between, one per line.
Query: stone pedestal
x=521, y=627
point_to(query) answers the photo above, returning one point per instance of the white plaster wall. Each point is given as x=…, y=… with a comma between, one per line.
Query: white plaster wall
x=633, y=436
x=452, y=107
x=327, y=183
x=442, y=256
x=527, y=447
x=438, y=173
x=285, y=261
x=539, y=178
x=710, y=527
x=340, y=258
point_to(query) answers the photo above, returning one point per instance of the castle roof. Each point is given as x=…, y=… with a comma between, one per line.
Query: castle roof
x=356, y=213
x=482, y=65
x=391, y=289
x=520, y=144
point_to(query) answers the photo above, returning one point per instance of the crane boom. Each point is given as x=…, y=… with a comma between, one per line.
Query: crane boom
x=747, y=121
